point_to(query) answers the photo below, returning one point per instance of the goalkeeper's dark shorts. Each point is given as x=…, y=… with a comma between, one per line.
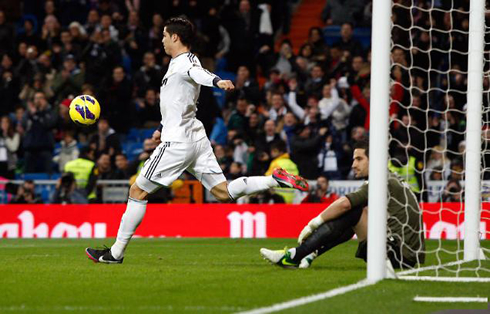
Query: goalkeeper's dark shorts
x=394, y=252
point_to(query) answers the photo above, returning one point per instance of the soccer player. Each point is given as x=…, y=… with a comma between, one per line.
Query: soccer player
x=183, y=144
x=348, y=215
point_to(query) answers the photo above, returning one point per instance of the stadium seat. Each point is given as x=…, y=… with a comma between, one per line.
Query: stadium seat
x=220, y=96
x=55, y=176
x=35, y=176
x=133, y=135
x=331, y=34
x=226, y=75
x=132, y=149
x=146, y=133
x=219, y=132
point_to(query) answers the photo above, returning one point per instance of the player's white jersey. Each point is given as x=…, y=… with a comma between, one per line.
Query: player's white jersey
x=178, y=98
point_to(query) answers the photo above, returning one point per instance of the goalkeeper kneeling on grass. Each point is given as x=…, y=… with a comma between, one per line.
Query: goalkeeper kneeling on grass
x=348, y=215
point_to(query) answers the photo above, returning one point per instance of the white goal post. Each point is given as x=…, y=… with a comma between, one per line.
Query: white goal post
x=381, y=66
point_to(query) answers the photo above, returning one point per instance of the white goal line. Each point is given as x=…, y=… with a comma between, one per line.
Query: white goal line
x=451, y=299
x=309, y=299
x=422, y=269
x=444, y=279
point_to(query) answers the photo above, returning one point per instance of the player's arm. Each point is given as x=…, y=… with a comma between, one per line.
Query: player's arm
x=204, y=77
x=336, y=209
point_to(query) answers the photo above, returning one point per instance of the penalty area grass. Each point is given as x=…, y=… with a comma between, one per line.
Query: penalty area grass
x=201, y=276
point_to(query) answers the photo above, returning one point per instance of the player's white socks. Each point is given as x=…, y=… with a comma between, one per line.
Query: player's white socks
x=293, y=252
x=249, y=185
x=135, y=211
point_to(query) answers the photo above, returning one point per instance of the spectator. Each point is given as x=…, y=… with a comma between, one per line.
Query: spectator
x=330, y=101
x=148, y=76
x=269, y=137
x=321, y=194
x=135, y=166
x=453, y=192
x=26, y=194
x=69, y=81
x=438, y=159
x=9, y=145
x=117, y=100
x=305, y=147
x=84, y=171
x=267, y=197
x=149, y=110
x=282, y=160
x=67, y=192
x=223, y=160
x=238, y=119
x=93, y=20
x=319, y=49
x=50, y=31
x=278, y=109
x=27, y=66
x=253, y=128
x=235, y=171
x=315, y=82
x=245, y=87
x=6, y=35
x=121, y=171
x=106, y=140
x=9, y=90
x=285, y=59
x=135, y=39
x=328, y=160
x=38, y=123
x=338, y=12
x=36, y=84
x=347, y=43
x=78, y=34
x=69, y=151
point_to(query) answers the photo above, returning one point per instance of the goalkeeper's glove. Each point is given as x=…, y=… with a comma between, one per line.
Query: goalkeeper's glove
x=310, y=227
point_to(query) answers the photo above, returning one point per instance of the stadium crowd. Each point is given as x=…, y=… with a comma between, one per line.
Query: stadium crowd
x=303, y=111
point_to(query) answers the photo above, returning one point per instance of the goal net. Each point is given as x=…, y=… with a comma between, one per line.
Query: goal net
x=438, y=94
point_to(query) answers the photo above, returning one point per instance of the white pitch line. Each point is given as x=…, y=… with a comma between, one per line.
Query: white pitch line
x=309, y=299
x=445, y=279
x=451, y=299
x=421, y=269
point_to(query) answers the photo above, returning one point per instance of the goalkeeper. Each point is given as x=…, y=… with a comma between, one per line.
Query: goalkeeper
x=348, y=215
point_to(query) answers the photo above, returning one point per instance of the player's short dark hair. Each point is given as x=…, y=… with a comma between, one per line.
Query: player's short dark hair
x=280, y=146
x=363, y=144
x=183, y=28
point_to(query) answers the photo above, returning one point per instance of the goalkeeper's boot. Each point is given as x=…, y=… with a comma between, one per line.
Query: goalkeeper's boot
x=102, y=256
x=287, y=180
x=279, y=257
x=308, y=260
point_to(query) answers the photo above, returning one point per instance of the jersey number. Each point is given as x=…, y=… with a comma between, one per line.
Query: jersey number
x=164, y=82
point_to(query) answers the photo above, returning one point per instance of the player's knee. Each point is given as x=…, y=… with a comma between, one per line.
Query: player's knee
x=220, y=192
x=137, y=193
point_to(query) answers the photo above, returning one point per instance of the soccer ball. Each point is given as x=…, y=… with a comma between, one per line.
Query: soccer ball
x=84, y=110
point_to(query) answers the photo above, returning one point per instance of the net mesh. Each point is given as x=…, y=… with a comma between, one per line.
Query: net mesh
x=429, y=73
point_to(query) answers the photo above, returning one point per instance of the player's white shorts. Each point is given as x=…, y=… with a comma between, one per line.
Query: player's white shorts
x=171, y=159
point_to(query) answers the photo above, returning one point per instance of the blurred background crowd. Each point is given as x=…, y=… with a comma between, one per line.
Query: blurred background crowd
x=297, y=105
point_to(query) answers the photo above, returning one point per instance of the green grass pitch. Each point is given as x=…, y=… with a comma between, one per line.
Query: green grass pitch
x=201, y=276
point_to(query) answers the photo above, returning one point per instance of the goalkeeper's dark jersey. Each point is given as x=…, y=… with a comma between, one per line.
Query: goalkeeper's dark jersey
x=404, y=216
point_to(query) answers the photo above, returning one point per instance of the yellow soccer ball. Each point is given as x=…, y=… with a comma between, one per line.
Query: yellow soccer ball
x=84, y=110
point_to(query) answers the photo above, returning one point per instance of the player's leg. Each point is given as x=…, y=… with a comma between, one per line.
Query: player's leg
x=324, y=238
x=225, y=192
x=206, y=169
x=132, y=217
x=165, y=165
x=360, y=229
